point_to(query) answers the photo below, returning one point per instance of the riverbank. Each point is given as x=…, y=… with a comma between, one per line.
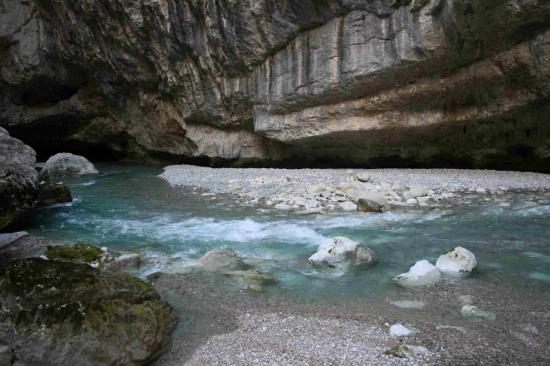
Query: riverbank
x=228, y=326
x=318, y=190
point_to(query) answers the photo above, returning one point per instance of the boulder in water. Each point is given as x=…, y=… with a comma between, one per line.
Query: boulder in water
x=3, y=131
x=342, y=252
x=222, y=259
x=457, y=262
x=64, y=313
x=50, y=194
x=67, y=165
x=423, y=273
x=18, y=181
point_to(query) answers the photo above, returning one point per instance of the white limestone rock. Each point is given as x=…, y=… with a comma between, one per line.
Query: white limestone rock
x=362, y=177
x=372, y=201
x=457, y=262
x=423, y=273
x=415, y=192
x=348, y=206
x=341, y=252
x=399, y=330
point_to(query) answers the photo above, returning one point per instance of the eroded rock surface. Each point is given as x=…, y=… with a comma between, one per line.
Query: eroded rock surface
x=379, y=83
x=18, y=181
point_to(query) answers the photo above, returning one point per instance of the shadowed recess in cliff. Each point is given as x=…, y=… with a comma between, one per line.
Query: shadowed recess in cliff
x=293, y=83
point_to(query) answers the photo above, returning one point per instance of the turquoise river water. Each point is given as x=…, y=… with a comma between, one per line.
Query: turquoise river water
x=128, y=207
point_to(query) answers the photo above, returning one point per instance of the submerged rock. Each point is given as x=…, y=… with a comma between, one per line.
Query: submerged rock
x=222, y=259
x=342, y=252
x=67, y=165
x=50, y=194
x=407, y=351
x=254, y=287
x=18, y=181
x=457, y=262
x=102, y=258
x=529, y=328
x=3, y=131
x=64, y=313
x=423, y=273
x=475, y=313
x=409, y=304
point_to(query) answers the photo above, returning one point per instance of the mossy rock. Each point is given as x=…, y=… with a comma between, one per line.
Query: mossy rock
x=66, y=313
x=50, y=194
x=81, y=252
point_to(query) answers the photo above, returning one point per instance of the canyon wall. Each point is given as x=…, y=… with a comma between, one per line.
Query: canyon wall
x=463, y=83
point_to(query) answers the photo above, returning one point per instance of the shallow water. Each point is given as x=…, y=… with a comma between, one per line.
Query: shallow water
x=128, y=207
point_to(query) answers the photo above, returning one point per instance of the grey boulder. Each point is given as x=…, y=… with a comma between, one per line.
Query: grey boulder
x=67, y=165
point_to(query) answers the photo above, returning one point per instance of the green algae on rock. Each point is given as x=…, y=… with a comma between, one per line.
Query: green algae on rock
x=50, y=194
x=67, y=313
x=81, y=252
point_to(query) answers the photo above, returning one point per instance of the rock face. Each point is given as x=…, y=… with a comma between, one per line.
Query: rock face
x=378, y=83
x=18, y=181
x=341, y=252
x=457, y=262
x=67, y=165
x=62, y=313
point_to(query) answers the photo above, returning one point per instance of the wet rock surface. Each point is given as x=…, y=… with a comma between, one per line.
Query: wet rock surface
x=63, y=313
x=52, y=193
x=18, y=181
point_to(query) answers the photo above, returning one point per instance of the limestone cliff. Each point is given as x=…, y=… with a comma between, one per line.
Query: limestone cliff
x=347, y=82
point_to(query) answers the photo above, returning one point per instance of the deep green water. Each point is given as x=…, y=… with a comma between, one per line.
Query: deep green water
x=128, y=207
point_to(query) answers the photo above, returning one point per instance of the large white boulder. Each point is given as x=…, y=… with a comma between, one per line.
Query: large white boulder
x=342, y=252
x=423, y=273
x=457, y=262
x=67, y=165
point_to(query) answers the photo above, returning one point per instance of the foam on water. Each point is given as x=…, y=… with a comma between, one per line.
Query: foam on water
x=130, y=208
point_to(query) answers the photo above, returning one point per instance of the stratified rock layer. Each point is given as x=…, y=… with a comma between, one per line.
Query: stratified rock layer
x=379, y=83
